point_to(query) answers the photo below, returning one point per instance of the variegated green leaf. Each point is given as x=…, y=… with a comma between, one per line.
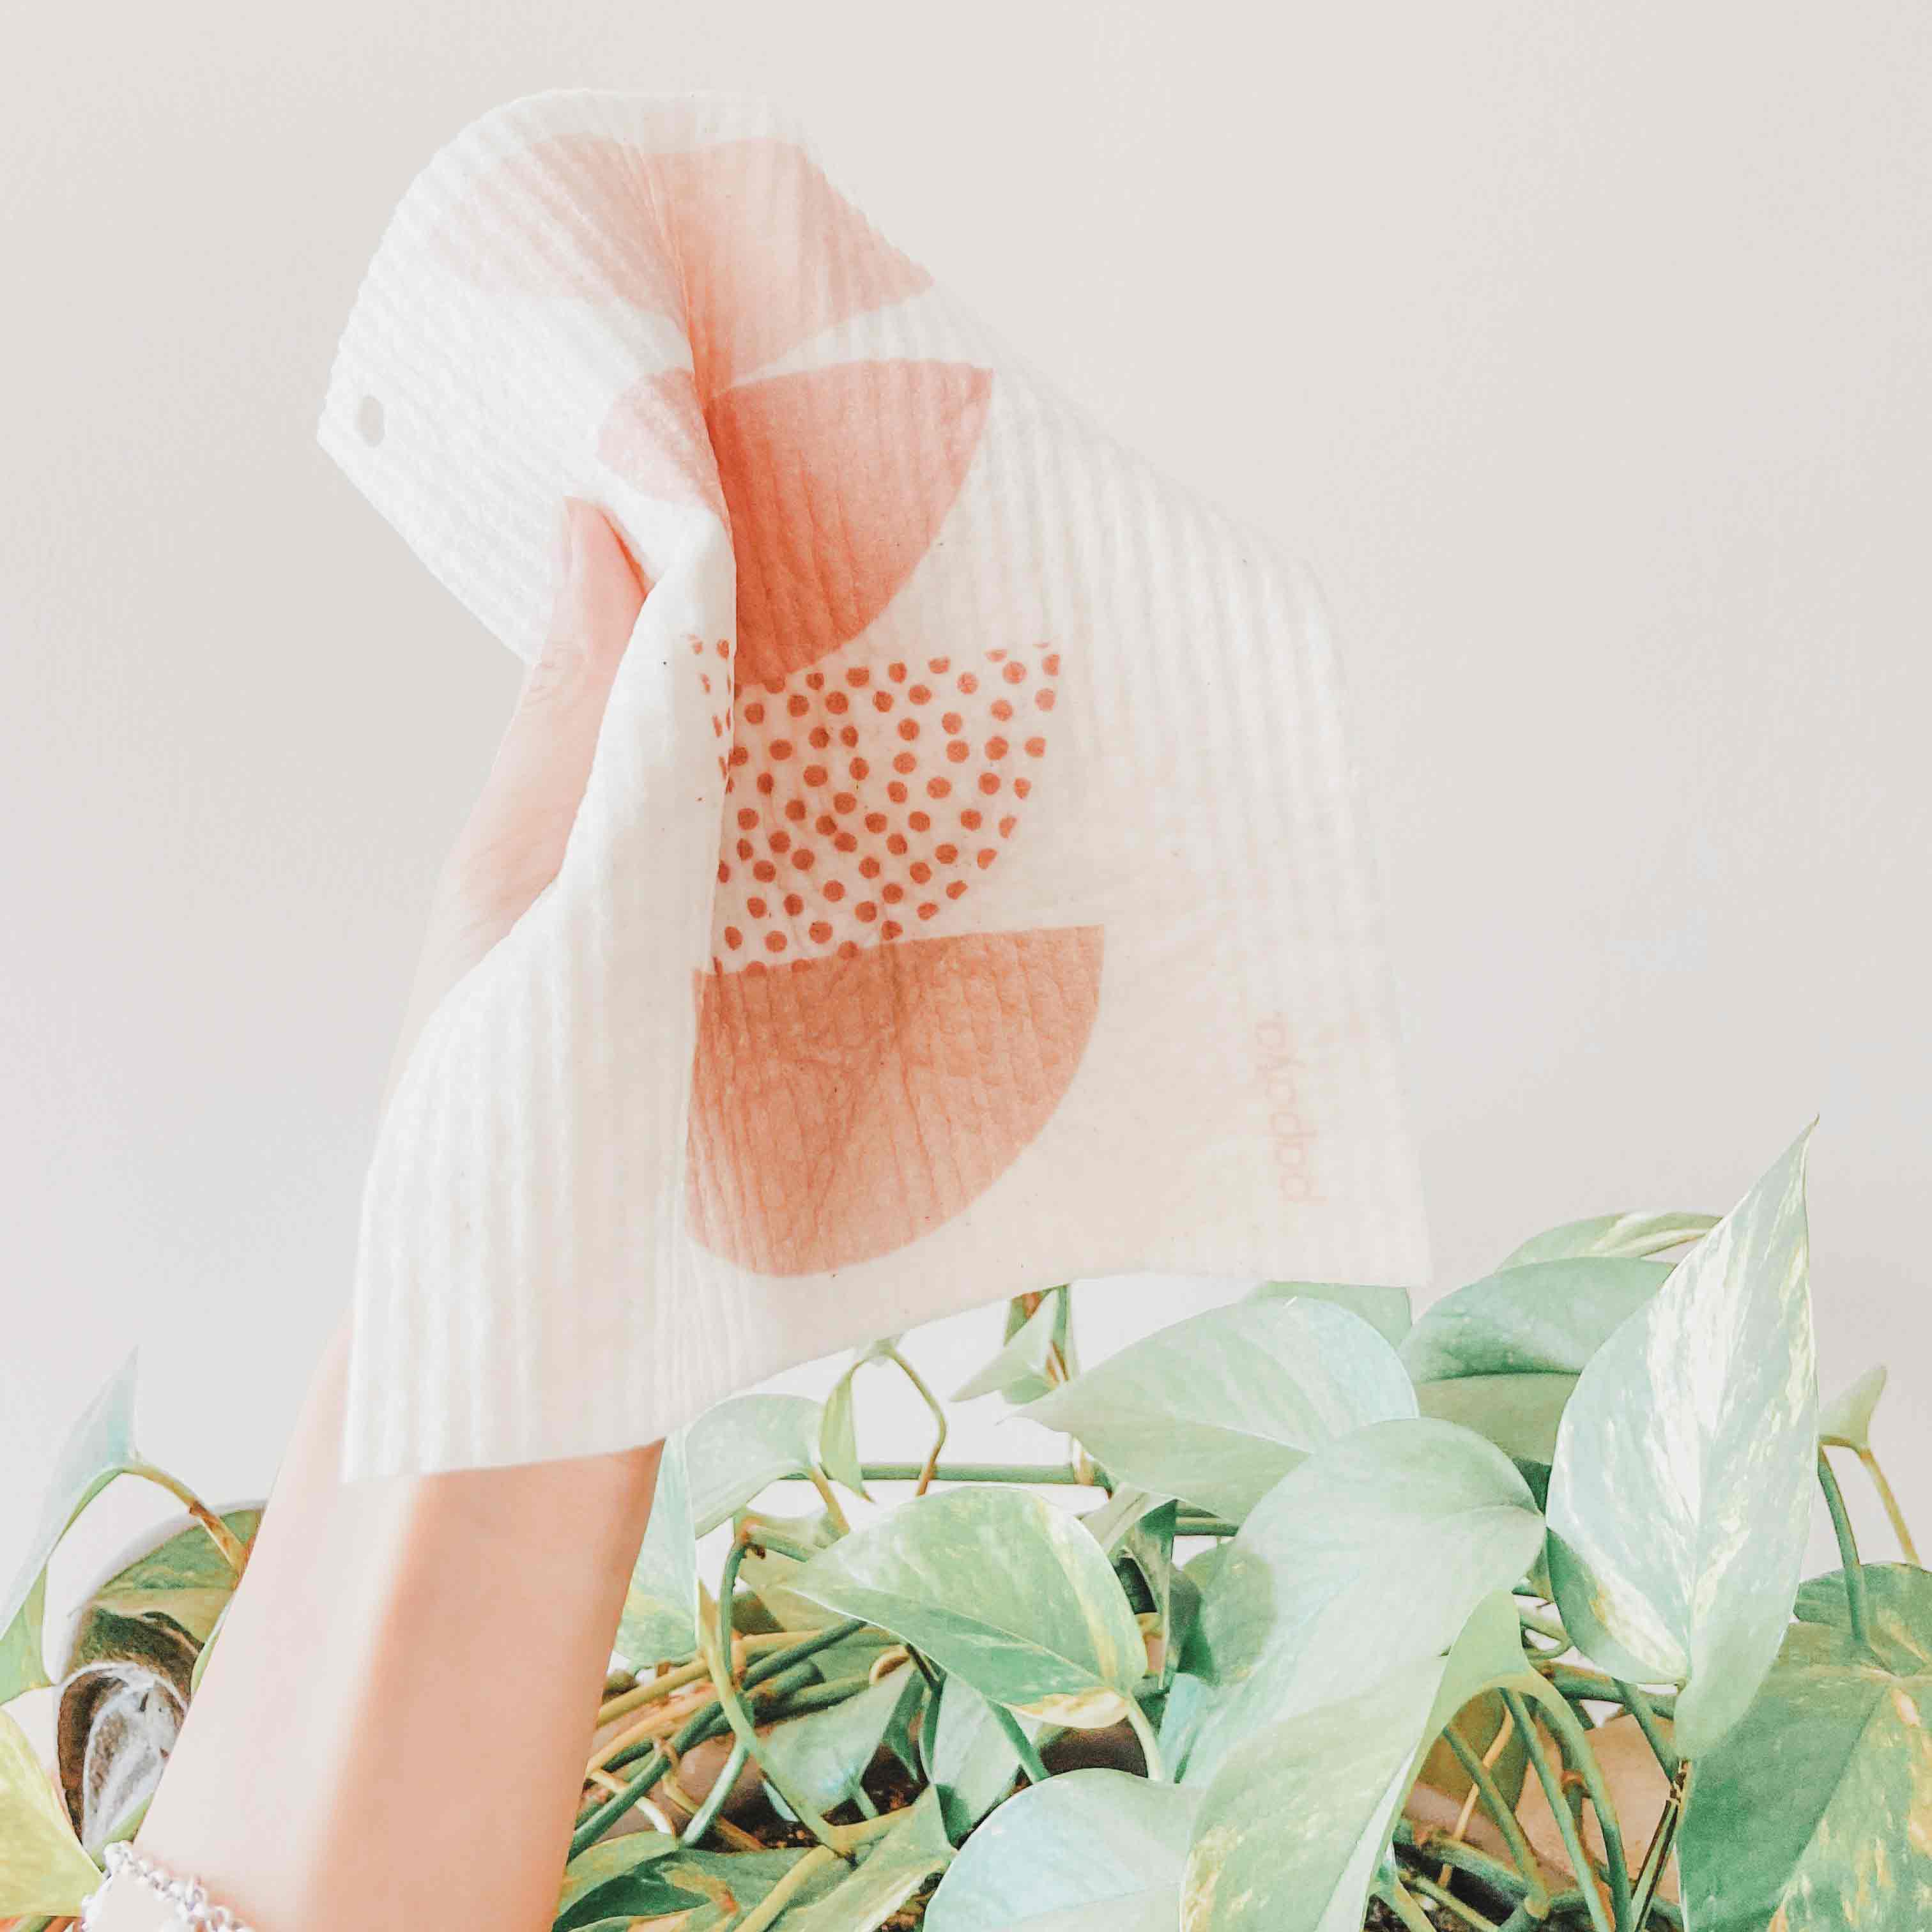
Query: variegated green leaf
x=1680, y=1496
x=732, y=1451
x=1218, y=1408
x=994, y=1583
x=42, y=1867
x=894, y=1866
x=660, y=1617
x=1386, y=1310
x=1293, y=1827
x=619, y=1879
x=99, y=1446
x=1089, y=1851
x=1536, y=1318
x=1374, y=1552
x=822, y=1755
x=1629, y=1236
x=1847, y=1417
x=1023, y=1358
x=974, y=1762
x=1814, y=1814
x=839, y=1435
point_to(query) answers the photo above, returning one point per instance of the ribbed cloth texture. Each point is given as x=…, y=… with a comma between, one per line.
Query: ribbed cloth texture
x=970, y=892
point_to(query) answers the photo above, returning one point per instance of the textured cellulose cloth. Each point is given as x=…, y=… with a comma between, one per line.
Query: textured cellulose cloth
x=969, y=892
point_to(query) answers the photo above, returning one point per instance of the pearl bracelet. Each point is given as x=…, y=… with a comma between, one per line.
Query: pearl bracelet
x=189, y=1902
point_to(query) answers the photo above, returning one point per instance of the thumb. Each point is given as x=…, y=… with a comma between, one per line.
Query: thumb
x=512, y=845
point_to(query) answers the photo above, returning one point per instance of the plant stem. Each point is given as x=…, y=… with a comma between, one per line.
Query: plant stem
x=766, y=1911
x=233, y=1552
x=1150, y=1744
x=1572, y=1681
x=829, y=1500
x=1029, y=1473
x=714, y=1799
x=1907, y=1548
x=717, y=1650
x=1659, y=1853
x=1640, y=1708
x=938, y=1409
x=1856, y=1608
x=1443, y=1896
x=1559, y=1806
x=1432, y=1845
x=1498, y=1808
x=1544, y=1627
x=1583, y=1760
x=1402, y=1902
x=1030, y=1759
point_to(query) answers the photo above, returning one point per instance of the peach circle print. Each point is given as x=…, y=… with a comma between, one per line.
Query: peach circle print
x=862, y=1073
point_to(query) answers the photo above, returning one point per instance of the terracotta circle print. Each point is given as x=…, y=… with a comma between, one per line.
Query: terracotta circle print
x=862, y=1073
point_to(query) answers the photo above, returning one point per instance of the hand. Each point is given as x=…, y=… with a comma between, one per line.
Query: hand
x=392, y=1729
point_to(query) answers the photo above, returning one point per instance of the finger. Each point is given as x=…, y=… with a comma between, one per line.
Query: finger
x=513, y=845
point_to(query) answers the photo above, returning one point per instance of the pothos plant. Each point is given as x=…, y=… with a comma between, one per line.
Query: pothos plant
x=1491, y=1618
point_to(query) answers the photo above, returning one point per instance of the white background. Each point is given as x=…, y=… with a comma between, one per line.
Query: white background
x=1582, y=349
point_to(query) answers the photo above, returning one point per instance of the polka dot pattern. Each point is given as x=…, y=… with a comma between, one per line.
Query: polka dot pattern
x=863, y=797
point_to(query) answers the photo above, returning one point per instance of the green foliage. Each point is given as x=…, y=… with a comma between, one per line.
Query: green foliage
x=1304, y=1551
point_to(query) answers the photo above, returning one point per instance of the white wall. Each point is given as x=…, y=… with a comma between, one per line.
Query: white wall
x=1582, y=348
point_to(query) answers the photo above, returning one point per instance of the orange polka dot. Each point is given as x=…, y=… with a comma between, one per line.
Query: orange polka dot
x=882, y=700
x=989, y=782
x=698, y=646
x=798, y=704
x=904, y=762
x=835, y=702
x=734, y=938
x=780, y=840
x=1050, y=663
x=970, y=819
x=1007, y=827
x=814, y=680
x=723, y=647
x=995, y=656
x=1002, y=710
x=866, y=910
x=918, y=821
x=756, y=908
x=819, y=738
x=774, y=942
x=996, y=748
x=1015, y=672
x=958, y=886
x=937, y=665
x=740, y=755
x=891, y=929
x=1036, y=748
x=849, y=736
x=820, y=932
x=745, y=848
x=926, y=910
x=780, y=748
x=896, y=845
x=815, y=775
x=868, y=868
x=858, y=675
x=834, y=891
x=724, y=873
x=920, y=693
x=747, y=818
x=958, y=751
x=1021, y=787
x=968, y=683
x=892, y=894
x=794, y=905
x=804, y=859
x=951, y=722
x=754, y=713
x=1044, y=699
x=896, y=672
x=937, y=788
x=858, y=768
x=921, y=872
x=846, y=842
x=847, y=949
x=794, y=809
x=946, y=854
x=764, y=872
x=844, y=801
x=765, y=783
x=875, y=821
x=825, y=825
x=984, y=857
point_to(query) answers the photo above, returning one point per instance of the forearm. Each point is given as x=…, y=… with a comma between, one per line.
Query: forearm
x=393, y=1727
